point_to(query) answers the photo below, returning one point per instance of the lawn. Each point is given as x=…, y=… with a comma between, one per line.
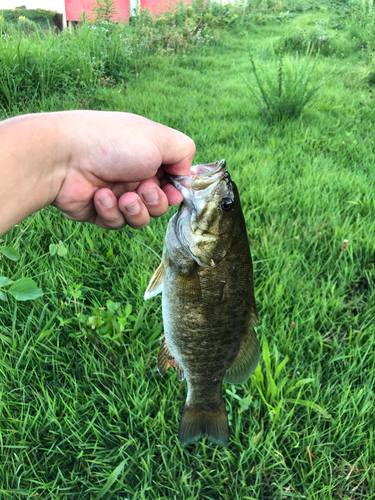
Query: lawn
x=84, y=413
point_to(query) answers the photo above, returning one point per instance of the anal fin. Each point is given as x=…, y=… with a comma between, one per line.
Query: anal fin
x=246, y=360
x=165, y=360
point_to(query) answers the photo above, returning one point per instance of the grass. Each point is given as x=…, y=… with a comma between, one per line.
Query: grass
x=85, y=415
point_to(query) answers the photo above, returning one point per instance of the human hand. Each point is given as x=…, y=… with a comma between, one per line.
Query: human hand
x=116, y=172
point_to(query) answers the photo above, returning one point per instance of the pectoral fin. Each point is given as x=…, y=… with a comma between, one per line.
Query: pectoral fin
x=189, y=287
x=156, y=283
x=165, y=360
x=246, y=361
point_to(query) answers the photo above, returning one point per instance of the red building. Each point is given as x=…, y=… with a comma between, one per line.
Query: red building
x=74, y=8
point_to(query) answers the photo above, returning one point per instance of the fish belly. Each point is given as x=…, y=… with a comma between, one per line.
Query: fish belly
x=203, y=335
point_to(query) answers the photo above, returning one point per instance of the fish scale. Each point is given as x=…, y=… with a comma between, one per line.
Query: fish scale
x=209, y=309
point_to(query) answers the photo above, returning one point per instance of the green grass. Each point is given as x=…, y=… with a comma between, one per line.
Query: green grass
x=75, y=404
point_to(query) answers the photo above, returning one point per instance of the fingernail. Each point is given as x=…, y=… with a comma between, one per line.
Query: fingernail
x=151, y=196
x=133, y=208
x=106, y=201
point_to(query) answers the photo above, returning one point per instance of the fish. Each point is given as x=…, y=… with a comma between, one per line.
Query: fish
x=208, y=301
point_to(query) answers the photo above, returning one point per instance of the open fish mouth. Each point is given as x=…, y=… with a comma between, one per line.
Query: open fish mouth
x=202, y=181
x=198, y=189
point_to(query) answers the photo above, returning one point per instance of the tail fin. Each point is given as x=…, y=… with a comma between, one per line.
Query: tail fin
x=197, y=423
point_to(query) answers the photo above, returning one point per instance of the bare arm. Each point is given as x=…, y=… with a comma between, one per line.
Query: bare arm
x=101, y=167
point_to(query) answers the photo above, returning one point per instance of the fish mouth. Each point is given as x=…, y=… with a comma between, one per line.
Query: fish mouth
x=197, y=189
x=201, y=182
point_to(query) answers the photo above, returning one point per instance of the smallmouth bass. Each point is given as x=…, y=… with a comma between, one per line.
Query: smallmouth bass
x=209, y=310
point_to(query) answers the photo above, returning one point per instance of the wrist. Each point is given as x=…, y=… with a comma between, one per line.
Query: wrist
x=34, y=157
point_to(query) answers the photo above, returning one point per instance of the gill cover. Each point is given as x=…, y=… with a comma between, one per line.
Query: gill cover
x=205, y=219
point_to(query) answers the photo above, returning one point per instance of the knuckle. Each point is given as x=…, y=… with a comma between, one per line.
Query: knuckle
x=138, y=222
x=110, y=222
x=137, y=226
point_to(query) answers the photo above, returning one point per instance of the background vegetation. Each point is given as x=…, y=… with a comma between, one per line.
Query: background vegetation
x=33, y=17
x=83, y=411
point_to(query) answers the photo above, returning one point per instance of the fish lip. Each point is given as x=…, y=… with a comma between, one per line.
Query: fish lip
x=209, y=173
x=208, y=169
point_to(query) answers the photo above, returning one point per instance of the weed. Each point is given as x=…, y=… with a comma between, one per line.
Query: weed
x=104, y=10
x=362, y=12
x=284, y=95
x=27, y=27
x=302, y=40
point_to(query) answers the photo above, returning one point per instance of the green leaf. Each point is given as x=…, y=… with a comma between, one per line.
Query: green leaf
x=112, y=478
x=233, y=395
x=5, y=281
x=299, y=383
x=61, y=249
x=281, y=366
x=3, y=296
x=309, y=404
x=25, y=289
x=11, y=253
x=112, y=306
x=272, y=388
x=266, y=355
x=44, y=333
x=52, y=249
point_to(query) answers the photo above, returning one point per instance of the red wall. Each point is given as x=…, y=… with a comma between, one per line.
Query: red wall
x=158, y=6
x=74, y=9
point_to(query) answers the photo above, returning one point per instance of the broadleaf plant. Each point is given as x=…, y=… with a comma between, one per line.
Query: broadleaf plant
x=10, y=253
x=22, y=289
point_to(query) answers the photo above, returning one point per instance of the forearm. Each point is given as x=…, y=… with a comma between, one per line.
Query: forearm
x=106, y=168
x=34, y=155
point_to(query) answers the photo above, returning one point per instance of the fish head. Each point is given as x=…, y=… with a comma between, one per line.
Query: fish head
x=206, y=218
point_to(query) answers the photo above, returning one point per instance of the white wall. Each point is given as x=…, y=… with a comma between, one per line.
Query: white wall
x=57, y=5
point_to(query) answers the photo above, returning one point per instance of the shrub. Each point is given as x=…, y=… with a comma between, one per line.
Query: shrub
x=262, y=5
x=39, y=16
x=302, y=40
x=282, y=93
x=362, y=12
x=26, y=26
x=178, y=30
x=6, y=29
x=360, y=21
x=260, y=19
x=104, y=10
x=301, y=5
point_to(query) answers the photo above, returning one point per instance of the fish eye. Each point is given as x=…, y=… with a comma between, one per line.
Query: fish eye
x=226, y=204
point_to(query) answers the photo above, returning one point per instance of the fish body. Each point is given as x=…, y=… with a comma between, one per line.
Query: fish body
x=209, y=309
